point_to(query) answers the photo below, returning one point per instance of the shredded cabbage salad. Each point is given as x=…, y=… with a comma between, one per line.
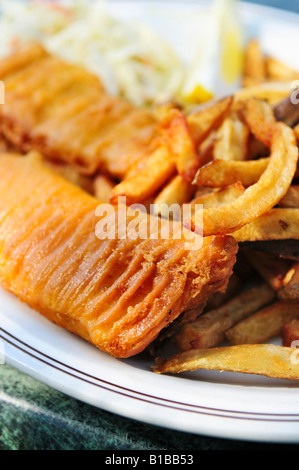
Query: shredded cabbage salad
x=129, y=57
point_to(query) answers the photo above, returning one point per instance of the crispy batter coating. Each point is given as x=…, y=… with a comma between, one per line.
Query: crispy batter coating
x=63, y=111
x=119, y=293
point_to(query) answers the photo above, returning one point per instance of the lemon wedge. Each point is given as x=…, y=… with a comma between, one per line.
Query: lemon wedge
x=217, y=69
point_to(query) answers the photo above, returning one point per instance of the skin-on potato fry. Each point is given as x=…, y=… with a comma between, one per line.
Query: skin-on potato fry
x=273, y=92
x=291, y=199
x=259, y=116
x=178, y=191
x=232, y=140
x=259, y=198
x=174, y=150
x=103, y=186
x=221, y=173
x=272, y=269
x=277, y=224
x=182, y=146
x=220, y=197
x=207, y=118
x=206, y=149
x=290, y=332
x=234, y=286
x=159, y=168
x=209, y=330
x=259, y=359
x=201, y=191
x=289, y=290
x=263, y=325
x=277, y=70
x=254, y=70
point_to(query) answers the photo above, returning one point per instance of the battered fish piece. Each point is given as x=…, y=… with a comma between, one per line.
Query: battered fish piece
x=63, y=111
x=117, y=294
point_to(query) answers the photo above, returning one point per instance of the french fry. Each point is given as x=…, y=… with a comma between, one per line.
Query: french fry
x=289, y=291
x=277, y=70
x=207, y=118
x=103, y=187
x=290, y=333
x=263, y=325
x=178, y=191
x=273, y=92
x=272, y=269
x=259, y=116
x=277, y=224
x=235, y=285
x=209, y=330
x=260, y=197
x=202, y=191
x=181, y=144
x=291, y=199
x=206, y=149
x=232, y=141
x=220, y=197
x=175, y=150
x=254, y=64
x=159, y=168
x=258, y=359
x=221, y=173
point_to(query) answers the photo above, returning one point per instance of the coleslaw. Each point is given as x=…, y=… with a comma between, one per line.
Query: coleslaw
x=129, y=57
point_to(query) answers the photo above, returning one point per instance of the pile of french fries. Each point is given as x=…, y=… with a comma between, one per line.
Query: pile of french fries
x=247, y=182
x=238, y=158
x=261, y=68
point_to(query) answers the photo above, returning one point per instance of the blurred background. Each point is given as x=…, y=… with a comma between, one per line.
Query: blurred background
x=292, y=5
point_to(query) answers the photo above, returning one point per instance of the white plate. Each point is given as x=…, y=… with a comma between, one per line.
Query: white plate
x=211, y=403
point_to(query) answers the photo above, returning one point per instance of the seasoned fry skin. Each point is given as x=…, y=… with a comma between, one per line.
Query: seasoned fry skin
x=119, y=293
x=63, y=111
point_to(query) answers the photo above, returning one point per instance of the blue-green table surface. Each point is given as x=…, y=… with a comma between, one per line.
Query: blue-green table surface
x=33, y=416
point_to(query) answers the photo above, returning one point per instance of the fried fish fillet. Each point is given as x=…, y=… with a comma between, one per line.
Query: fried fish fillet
x=116, y=293
x=63, y=111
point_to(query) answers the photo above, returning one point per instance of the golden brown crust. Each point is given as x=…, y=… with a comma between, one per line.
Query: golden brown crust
x=63, y=111
x=117, y=294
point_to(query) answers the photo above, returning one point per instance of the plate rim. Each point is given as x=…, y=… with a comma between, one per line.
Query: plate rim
x=18, y=360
